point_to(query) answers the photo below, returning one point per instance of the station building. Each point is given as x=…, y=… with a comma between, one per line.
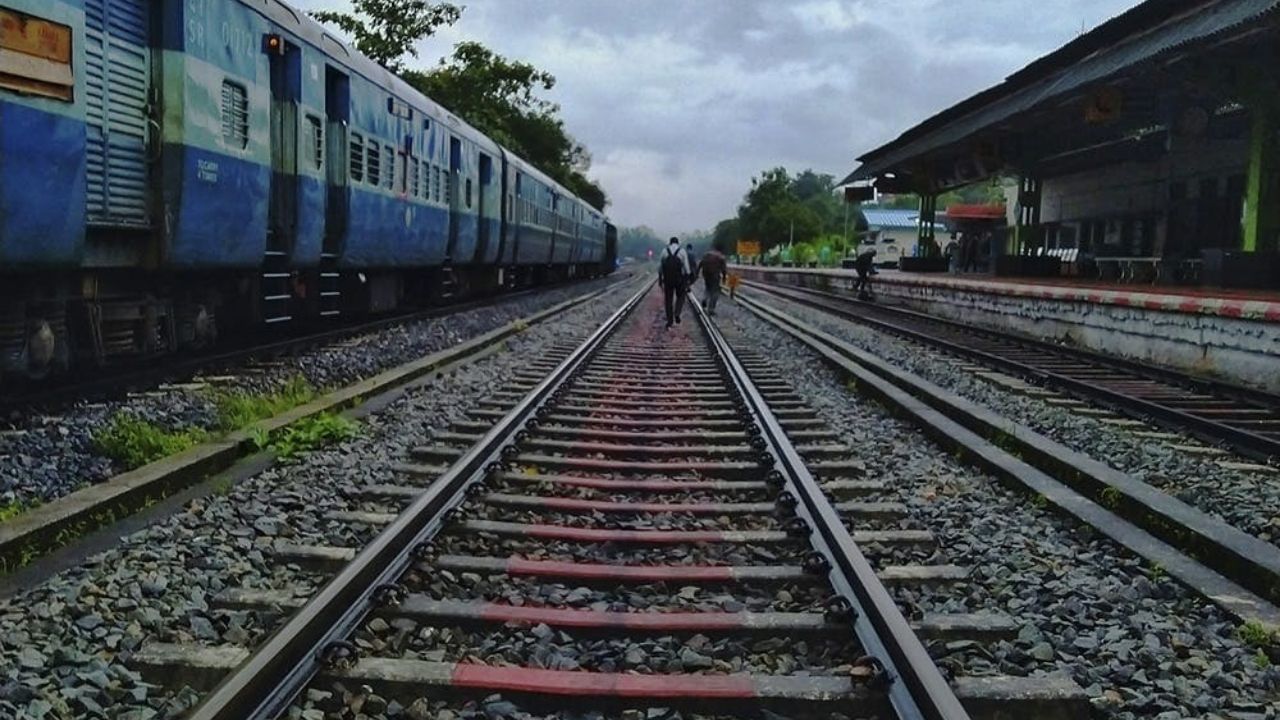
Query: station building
x=1147, y=146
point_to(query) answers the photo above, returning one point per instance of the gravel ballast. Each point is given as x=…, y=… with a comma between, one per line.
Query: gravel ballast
x=46, y=456
x=1249, y=501
x=64, y=645
x=1141, y=645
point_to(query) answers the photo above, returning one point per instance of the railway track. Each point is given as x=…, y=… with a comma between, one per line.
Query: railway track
x=1244, y=419
x=21, y=397
x=668, y=507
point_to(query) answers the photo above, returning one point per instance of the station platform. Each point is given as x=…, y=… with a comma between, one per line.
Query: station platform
x=1230, y=334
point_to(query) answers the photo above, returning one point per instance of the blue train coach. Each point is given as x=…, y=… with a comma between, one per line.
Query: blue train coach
x=172, y=171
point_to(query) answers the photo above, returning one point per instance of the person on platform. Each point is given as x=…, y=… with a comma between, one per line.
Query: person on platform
x=864, y=265
x=673, y=276
x=692, y=260
x=714, y=268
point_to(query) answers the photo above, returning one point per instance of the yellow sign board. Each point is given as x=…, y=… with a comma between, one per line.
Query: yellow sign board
x=35, y=56
x=39, y=38
x=748, y=248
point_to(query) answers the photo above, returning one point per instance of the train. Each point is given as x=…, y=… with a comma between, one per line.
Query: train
x=174, y=172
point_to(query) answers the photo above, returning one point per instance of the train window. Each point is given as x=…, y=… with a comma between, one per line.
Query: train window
x=357, y=157
x=315, y=131
x=448, y=186
x=388, y=162
x=235, y=115
x=439, y=183
x=417, y=176
x=468, y=192
x=373, y=164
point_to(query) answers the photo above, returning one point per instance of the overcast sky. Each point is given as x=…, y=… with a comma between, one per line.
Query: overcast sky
x=681, y=101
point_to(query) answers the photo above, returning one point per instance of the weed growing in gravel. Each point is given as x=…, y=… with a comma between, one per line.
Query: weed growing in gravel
x=1256, y=634
x=1111, y=498
x=134, y=442
x=237, y=409
x=1261, y=660
x=313, y=432
x=13, y=509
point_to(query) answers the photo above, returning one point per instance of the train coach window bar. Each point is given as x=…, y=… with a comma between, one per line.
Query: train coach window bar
x=388, y=162
x=357, y=157
x=373, y=164
x=315, y=131
x=235, y=115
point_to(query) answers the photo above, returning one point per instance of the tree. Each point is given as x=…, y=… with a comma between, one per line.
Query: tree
x=638, y=241
x=500, y=97
x=386, y=30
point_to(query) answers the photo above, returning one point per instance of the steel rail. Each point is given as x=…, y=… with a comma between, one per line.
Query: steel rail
x=264, y=686
x=1248, y=443
x=916, y=688
x=111, y=382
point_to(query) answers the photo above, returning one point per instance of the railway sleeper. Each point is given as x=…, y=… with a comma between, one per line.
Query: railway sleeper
x=983, y=627
x=329, y=560
x=1052, y=697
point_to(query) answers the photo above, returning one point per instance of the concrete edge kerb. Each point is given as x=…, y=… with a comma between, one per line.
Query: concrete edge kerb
x=37, y=530
x=1236, y=600
x=1262, y=311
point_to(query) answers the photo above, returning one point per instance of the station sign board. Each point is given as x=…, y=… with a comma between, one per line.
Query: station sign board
x=35, y=56
x=748, y=248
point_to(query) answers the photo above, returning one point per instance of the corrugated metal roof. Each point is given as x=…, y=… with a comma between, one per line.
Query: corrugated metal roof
x=1131, y=38
x=879, y=218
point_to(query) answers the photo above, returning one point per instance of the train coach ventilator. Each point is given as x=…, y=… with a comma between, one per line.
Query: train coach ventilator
x=672, y=490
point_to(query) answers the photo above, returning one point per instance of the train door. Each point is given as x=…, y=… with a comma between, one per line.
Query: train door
x=454, y=199
x=277, y=289
x=286, y=80
x=337, y=109
x=118, y=111
x=482, y=208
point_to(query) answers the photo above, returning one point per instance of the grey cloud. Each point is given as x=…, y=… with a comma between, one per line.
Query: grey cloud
x=681, y=101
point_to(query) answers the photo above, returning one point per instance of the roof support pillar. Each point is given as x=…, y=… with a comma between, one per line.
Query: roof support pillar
x=925, y=243
x=1262, y=192
x=1028, y=214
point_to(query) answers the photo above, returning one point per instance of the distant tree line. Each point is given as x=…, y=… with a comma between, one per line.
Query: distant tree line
x=498, y=96
x=802, y=212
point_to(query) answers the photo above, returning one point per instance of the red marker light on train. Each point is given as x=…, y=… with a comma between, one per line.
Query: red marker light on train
x=273, y=45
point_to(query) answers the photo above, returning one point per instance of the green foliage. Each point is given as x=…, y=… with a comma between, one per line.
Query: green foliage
x=497, y=95
x=1111, y=498
x=386, y=30
x=236, y=409
x=636, y=242
x=134, y=442
x=501, y=98
x=13, y=509
x=1261, y=660
x=1256, y=634
x=780, y=209
x=312, y=433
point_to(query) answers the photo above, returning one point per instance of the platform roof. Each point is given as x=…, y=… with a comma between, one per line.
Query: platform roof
x=1150, y=34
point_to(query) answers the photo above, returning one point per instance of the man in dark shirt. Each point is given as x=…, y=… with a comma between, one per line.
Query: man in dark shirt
x=864, y=265
x=673, y=275
x=714, y=268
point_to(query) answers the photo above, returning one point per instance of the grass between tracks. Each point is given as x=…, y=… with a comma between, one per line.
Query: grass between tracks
x=133, y=442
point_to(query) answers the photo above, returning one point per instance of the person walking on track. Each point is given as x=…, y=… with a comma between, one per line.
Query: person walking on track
x=714, y=268
x=673, y=274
